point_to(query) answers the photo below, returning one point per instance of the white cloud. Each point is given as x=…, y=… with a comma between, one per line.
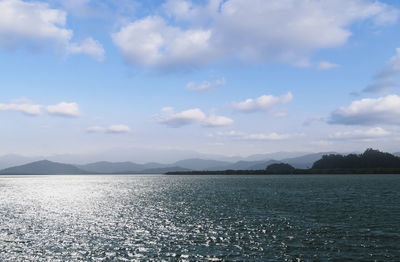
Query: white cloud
x=385, y=79
x=183, y=118
x=34, y=25
x=257, y=136
x=151, y=42
x=113, y=129
x=30, y=23
x=26, y=107
x=324, y=65
x=64, y=109
x=376, y=132
x=23, y=106
x=214, y=121
x=191, y=116
x=206, y=85
x=369, y=111
x=89, y=47
x=252, y=31
x=262, y=103
x=117, y=129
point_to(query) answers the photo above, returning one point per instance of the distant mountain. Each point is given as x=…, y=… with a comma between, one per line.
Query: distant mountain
x=130, y=167
x=105, y=167
x=201, y=164
x=245, y=165
x=164, y=170
x=43, y=167
x=110, y=167
x=155, y=171
x=305, y=161
x=196, y=164
x=273, y=156
x=263, y=165
x=10, y=160
x=136, y=155
x=143, y=155
x=152, y=165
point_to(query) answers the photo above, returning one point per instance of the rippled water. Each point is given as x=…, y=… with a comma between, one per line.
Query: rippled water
x=195, y=218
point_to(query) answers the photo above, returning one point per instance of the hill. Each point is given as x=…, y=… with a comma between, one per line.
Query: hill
x=369, y=159
x=110, y=167
x=164, y=170
x=43, y=167
x=11, y=160
x=370, y=162
x=305, y=161
x=201, y=164
x=280, y=168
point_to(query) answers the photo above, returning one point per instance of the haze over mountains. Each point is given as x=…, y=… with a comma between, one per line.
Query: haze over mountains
x=137, y=156
x=15, y=164
x=107, y=167
x=43, y=167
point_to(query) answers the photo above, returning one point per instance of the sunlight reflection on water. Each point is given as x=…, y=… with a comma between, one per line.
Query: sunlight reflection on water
x=264, y=218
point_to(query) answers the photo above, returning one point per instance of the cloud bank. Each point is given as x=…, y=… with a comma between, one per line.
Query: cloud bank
x=256, y=31
x=369, y=111
x=34, y=25
x=376, y=132
x=64, y=109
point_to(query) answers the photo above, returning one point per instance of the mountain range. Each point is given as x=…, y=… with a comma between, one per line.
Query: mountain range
x=194, y=164
x=139, y=155
x=43, y=167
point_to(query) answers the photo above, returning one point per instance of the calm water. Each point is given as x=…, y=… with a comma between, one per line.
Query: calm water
x=195, y=218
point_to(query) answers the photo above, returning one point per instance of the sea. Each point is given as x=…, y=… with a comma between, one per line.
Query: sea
x=200, y=218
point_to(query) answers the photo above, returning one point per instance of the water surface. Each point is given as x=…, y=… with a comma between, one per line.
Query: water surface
x=195, y=218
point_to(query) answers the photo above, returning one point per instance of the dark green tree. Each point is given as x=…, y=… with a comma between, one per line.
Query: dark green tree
x=371, y=158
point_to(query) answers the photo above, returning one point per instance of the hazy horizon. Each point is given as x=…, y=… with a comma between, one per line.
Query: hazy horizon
x=141, y=156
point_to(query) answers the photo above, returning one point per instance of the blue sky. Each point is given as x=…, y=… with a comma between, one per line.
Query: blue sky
x=233, y=77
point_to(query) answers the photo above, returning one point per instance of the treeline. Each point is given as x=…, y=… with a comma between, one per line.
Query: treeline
x=370, y=159
x=221, y=172
x=336, y=171
x=370, y=162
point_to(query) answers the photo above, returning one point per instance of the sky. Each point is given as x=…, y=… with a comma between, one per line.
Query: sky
x=227, y=77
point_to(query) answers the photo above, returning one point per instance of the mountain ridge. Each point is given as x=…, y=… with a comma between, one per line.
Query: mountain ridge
x=43, y=167
x=128, y=167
